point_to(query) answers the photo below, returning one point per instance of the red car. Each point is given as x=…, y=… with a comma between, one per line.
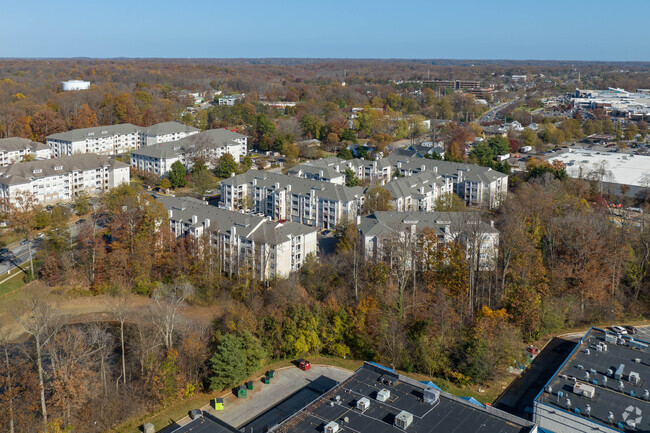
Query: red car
x=304, y=365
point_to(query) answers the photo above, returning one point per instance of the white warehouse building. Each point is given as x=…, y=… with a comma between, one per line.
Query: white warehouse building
x=75, y=85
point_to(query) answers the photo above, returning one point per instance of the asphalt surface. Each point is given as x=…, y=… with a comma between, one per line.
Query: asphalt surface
x=491, y=115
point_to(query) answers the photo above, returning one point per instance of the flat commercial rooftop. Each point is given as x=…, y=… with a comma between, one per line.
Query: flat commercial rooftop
x=205, y=424
x=609, y=365
x=617, y=167
x=448, y=414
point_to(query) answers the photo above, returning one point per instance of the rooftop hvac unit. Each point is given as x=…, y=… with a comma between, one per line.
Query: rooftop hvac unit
x=619, y=372
x=610, y=338
x=634, y=377
x=383, y=395
x=363, y=404
x=403, y=419
x=431, y=395
x=332, y=427
x=148, y=428
x=637, y=345
x=584, y=390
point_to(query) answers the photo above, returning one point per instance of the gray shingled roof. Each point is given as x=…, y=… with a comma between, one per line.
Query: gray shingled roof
x=386, y=223
x=210, y=139
x=259, y=229
x=22, y=172
x=96, y=131
x=326, y=190
x=13, y=144
x=168, y=128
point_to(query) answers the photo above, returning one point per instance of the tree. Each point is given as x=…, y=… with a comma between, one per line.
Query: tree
x=165, y=184
x=377, y=199
x=21, y=210
x=449, y=202
x=177, y=175
x=81, y=204
x=39, y=320
x=226, y=166
x=167, y=301
x=345, y=153
x=202, y=180
x=351, y=178
x=84, y=118
x=499, y=145
x=235, y=359
x=46, y=122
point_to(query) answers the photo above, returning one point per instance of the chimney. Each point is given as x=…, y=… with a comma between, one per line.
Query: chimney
x=206, y=223
x=195, y=219
x=277, y=185
x=289, y=187
x=232, y=174
x=320, y=173
x=423, y=167
x=492, y=223
x=170, y=213
x=421, y=190
x=358, y=219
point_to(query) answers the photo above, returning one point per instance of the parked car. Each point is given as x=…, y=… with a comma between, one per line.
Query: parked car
x=81, y=221
x=618, y=329
x=631, y=329
x=4, y=250
x=23, y=242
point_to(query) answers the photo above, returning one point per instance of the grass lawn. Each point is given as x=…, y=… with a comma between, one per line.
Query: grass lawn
x=14, y=283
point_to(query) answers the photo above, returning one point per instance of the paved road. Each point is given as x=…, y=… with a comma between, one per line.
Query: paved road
x=491, y=115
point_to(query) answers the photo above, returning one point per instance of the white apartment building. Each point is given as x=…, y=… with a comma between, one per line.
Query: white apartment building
x=166, y=132
x=62, y=179
x=209, y=145
x=333, y=169
x=478, y=186
x=391, y=235
x=16, y=149
x=283, y=197
x=243, y=242
x=418, y=192
x=115, y=139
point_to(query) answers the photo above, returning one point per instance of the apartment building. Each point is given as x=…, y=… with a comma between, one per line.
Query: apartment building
x=478, y=186
x=166, y=132
x=266, y=248
x=62, y=179
x=333, y=169
x=209, y=145
x=391, y=235
x=283, y=197
x=16, y=149
x=115, y=139
x=418, y=192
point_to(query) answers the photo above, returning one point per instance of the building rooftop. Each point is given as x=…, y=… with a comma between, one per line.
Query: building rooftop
x=325, y=190
x=593, y=374
x=206, y=424
x=21, y=172
x=423, y=408
x=13, y=144
x=168, y=128
x=386, y=223
x=210, y=139
x=614, y=167
x=259, y=229
x=95, y=132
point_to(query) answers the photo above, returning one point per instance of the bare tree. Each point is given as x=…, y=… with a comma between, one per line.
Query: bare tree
x=167, y=301
x=41, y=321
x=121, y=310
x=8, y=385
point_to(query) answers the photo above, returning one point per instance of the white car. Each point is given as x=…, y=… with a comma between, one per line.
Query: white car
x=618, y=329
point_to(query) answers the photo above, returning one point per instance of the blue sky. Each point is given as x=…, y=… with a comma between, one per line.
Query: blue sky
x=473, y=29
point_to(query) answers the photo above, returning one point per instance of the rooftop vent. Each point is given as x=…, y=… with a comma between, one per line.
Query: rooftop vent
x=634, y=377
x=619, y=372
x=584, y=390
x=383, y=395
x=403, y=419
x=363, y=404
x=431, y=395
x=332, y=427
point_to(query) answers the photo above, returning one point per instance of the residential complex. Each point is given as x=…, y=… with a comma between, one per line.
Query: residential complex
x=267, y=248
x=391, y=236
x=333, y=169
x=283, y=197
x=115, y=139
x=600, y=387
x=62, y=179
x=418, y=192
x=15, y=149
x=209, y=145
x=477, y=186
